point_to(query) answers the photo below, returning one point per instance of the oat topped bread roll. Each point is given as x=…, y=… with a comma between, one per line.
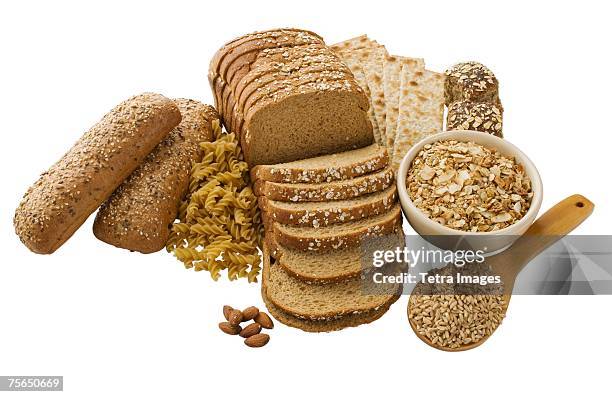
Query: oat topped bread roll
x=475, y=116
x=139, y=214
x=470, y=81
x=64, y=196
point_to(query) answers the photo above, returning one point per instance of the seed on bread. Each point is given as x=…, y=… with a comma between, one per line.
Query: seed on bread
x=229, y=328
x=258, y=340
x=249, y=313
x=264, y=320
x=250, y=330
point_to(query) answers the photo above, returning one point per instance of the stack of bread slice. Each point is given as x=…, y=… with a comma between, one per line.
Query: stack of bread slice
x=318, y=214
x=288, y=97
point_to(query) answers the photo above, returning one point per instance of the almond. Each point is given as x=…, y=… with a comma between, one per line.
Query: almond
x=226, y=311
x=264, y=320
x=250, y=330
x=249, y=313
x=230, y=329
x=258, y=340
x=235, y=317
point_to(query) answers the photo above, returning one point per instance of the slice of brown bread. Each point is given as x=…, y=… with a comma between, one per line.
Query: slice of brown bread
x=329, y=325
x=336, y=236
x=318, y=214
x=279, y=90
x=337, y=265
x=328, y=168
x=337, y=190
x=323, y=302
x=314, y=119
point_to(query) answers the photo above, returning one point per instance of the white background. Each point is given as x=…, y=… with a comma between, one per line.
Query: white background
x=119, y=323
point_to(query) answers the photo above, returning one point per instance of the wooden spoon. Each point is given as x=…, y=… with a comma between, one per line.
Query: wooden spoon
x=550, y=227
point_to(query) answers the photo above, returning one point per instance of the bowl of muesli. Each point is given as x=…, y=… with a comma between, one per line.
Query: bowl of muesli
x=469, y=190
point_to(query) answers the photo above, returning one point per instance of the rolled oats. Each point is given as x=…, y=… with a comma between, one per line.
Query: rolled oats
x=466, y=186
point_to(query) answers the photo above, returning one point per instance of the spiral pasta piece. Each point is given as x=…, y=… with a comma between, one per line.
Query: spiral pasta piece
x=219, y=225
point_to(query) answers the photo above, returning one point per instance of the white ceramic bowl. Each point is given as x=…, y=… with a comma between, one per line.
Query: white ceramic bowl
x=451, y=239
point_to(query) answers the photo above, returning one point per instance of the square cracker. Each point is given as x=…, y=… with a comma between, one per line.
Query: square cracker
x=392, y=68
x=421, y=109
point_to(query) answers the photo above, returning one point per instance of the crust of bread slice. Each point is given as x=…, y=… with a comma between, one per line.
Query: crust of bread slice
x=332, y=323
x=328, y=168
x=338, y=236
x=327, y=191
x=231, y=45
x=283, y=39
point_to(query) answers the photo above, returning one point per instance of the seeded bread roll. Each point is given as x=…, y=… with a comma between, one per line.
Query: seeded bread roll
x=476, y=116
x=140, y=212
x=64, y=196
x=470, y=81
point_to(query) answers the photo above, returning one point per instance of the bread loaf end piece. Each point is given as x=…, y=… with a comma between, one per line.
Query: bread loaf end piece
x=307, y=124
x=64, y=196
x=139, y=214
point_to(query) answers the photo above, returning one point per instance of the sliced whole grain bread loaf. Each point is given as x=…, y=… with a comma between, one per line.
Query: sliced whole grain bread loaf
x=322, y=116
x=335, y=236
x=328, y=168
x=338, y=265
x=314, y=302
x=326, y=191
x=318, y=214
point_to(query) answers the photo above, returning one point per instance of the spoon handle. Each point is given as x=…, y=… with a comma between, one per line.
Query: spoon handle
x=546, y=230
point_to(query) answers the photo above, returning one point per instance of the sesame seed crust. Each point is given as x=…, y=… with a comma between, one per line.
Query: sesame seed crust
x=139, y=213
x=65, y=195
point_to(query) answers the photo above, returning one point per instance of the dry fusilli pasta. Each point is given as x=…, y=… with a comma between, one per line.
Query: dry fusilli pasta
x=219, y=225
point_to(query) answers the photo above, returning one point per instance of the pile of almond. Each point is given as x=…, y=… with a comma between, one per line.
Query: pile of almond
x=251, y=332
